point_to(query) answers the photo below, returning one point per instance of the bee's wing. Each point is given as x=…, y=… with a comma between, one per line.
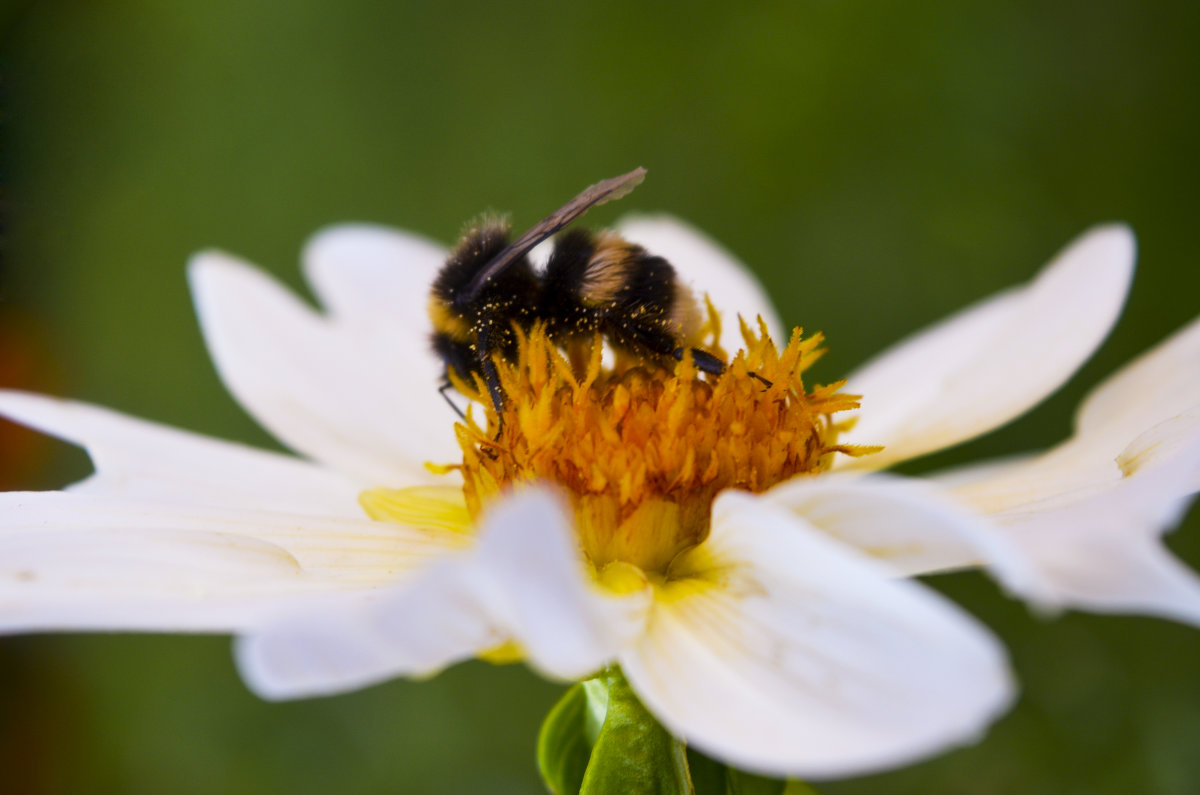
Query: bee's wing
x=599, y=193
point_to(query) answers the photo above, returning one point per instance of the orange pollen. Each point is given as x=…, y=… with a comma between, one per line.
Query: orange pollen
x=640, y=449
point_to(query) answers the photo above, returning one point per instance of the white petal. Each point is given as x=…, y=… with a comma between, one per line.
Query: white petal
x=538, y=587
x=978, y=471
x=803, y=658
x=1172, y=446
x=344, y=552
x=525, y=582
x=374, y=277
x=1075, y=470
x=143, y=460
x=992, y=362
x=67, y=564
x=906, y=524
x=364, y=405
x=1158, y=390
x=1103, y=553
x=1159, y=384
x=1145, y=412
x=352, y=641
x=706, y=267
x=1108, y=572
x=1088, y=521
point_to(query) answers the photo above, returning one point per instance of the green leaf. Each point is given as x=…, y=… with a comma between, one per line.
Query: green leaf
x=634, y=754
x=564, y=746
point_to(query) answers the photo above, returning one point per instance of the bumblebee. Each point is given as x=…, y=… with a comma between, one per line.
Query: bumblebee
x=593, y=283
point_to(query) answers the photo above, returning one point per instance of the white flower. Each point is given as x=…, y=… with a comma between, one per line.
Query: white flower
x=789, y=641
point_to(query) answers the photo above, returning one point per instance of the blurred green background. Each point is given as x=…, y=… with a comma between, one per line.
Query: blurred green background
x=878, y=163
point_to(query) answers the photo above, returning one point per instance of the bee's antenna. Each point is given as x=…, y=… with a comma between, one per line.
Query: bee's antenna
x=599, y=193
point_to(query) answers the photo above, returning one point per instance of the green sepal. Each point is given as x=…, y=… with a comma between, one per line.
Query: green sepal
x=600, y=740
x=634, y=754
x=563, y=748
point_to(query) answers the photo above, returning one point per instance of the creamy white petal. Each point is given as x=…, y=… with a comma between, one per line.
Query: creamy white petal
x=1103, y=553
x=352, y=641
x=374, y=278
x=524, y=582
x=208, y=484
x=1145, y=411
x=329, y=392
x=1107, y=571
x=1088, y=521
x=1160, y=386
x=800, y=657
x=69, y=562
x=1077, y=469
x=978, y=471
x=1161, y=383
x=908, y=525
x=706, y=267
x=993, y=361
x=344, y=552
x=1173, y=445
x=539, y=588
x=140, y=460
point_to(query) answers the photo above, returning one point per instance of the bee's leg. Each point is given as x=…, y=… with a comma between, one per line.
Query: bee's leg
x=446, y=385
x=707, y=363
x=492, y=379
x=488, y=368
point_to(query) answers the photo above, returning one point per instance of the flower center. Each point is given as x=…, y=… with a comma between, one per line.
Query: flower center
x=641, y=450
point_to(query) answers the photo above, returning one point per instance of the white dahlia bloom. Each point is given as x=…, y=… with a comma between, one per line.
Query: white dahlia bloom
x=727, y=544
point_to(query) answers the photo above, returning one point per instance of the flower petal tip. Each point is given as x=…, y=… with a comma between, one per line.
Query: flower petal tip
x=336, y=240
x=31, y=409
x=1110, y=246
x=210, y=259
x=213, y=272
x=1117, y=235
x=259, y=674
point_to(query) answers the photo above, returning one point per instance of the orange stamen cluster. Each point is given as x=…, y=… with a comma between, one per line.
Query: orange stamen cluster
x=641, y=449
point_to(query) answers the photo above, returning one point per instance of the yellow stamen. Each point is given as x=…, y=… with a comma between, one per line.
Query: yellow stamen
x=642, y=449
